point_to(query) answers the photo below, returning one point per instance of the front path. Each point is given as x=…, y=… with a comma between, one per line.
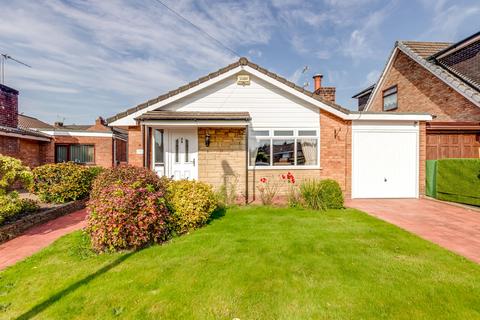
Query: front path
x=39, y=237
x=452, y=227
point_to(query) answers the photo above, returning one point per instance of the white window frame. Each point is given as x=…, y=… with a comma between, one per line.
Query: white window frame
x=295, y=136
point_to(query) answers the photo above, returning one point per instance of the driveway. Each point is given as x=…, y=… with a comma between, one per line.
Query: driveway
x=452, y=227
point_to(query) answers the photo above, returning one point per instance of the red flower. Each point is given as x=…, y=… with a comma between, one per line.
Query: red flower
x=283, y=177
x=263, y=180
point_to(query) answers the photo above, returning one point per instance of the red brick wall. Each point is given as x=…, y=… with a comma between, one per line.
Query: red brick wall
x=421, y=91
x=134, y=144
x=423, y=158
x=32, y=153
x=336, y=150
x=103, y=147
x=8, y=107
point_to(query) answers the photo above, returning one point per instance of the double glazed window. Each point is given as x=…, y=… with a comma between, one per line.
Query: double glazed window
x=158, y=147
x=283, y=147
x=390, y=99
x=79, y=153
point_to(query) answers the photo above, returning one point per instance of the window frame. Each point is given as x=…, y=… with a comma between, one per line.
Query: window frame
x=68, y=152
x=271, y=136
x=388, y=95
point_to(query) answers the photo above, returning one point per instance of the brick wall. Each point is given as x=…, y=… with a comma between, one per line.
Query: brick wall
x=422, y=157
x=420, y=91
x=327, y=93
x=103, y=147
x=336, y=150
x=8, y=107
x=224, y=161
x=31, y=152
x=134, y=144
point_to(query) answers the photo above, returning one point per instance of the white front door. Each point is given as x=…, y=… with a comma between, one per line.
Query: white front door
x=183, y=154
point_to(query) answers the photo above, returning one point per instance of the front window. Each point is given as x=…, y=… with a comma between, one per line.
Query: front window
x=79, y=153
x=390, y=99
x=283, y=148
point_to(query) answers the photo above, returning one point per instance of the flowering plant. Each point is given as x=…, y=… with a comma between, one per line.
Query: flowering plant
x=268, y=191
x=293, y=196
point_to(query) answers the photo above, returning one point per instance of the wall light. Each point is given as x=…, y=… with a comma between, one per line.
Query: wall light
x=207, y=140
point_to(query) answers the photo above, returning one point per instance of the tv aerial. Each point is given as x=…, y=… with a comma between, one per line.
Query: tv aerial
x=3, y=62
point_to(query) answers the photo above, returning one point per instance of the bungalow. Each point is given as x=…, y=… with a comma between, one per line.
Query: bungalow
x=243, y=122
x=439, y=78
x=36, y=142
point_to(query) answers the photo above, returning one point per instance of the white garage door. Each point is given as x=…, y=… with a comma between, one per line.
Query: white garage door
x=384, y=160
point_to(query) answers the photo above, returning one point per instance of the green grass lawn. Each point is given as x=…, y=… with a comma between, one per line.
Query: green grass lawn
x=253, y=263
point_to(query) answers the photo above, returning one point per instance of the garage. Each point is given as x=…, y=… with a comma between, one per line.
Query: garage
x=385, y=159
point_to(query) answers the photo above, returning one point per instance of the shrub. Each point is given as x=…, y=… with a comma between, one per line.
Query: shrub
x=62, y=182
x=129, y=214
x=12, y=171
x=458, y=180
x=191, y=204
x=11, y=205
x=322, y=194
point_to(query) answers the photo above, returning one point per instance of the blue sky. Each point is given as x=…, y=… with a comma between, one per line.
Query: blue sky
x=94, y=58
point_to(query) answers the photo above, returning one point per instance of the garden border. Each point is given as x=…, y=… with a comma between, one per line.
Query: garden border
x=13, y=230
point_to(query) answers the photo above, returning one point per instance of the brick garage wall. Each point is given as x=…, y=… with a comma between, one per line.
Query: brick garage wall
x=336, y=150
x=134, y=144
x=422, y=157
x=103, y=147
x=420, y=91
x=9, y=146
x=224, y=160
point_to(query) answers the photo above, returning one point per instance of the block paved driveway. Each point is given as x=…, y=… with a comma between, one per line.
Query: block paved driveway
x=39, y=237
x=452, y=227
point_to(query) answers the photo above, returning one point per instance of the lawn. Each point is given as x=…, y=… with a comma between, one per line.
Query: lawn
x=252, y=263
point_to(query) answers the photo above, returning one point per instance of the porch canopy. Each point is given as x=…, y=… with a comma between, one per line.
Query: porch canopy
x=189, y=118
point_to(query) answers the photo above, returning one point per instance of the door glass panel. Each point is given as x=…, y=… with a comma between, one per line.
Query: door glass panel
x=158, y=137
x=177, y=147
x=187, y=155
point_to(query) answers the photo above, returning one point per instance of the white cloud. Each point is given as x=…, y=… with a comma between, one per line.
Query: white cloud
x=372, y=77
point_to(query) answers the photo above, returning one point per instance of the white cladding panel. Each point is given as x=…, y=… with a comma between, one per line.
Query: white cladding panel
x=385, y=160
x=268, y=105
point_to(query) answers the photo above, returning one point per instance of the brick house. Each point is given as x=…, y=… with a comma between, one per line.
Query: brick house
x=36, y=142
x=440, y=78
x=243, y=122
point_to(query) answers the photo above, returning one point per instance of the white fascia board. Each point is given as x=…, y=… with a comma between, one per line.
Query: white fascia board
x=78, y=133
x=23, y=136
x=296, y=93
x=129, y=120
x=382, y=77
x=199, y=123
x=389, y=117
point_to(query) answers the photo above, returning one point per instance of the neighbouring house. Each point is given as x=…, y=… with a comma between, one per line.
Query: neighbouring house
x=30, y=146
x=243, y=122
x=36, y=142
x=439, y=78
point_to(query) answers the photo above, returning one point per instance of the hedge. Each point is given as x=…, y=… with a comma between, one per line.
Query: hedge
x=458, y=180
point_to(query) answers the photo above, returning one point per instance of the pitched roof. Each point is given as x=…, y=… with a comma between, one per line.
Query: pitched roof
x=29, y=122
x=365, y=91
x=442, y=73
x=241, y=62
x=426, y=49
x=25, y=133
x=180, y=115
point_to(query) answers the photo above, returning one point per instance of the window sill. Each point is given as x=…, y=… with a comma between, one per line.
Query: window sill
x=284, y=168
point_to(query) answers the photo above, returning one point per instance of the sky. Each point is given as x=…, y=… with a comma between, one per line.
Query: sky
x=97, y=58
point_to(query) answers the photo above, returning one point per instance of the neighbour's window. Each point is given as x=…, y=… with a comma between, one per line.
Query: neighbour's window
x=158, y=147
x=278, y=148
x=79, y=153
x=390, y=99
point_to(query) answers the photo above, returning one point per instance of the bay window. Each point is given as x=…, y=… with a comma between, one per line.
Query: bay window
x=283, y=148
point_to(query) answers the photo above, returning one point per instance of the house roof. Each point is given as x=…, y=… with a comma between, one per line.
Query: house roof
x=179, y=115
x=25, y=121
x=241, y=62
x=364, y=92
x=424, y=53
x=24, y=133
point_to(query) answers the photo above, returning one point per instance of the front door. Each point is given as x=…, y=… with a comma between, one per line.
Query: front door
x=183, y=154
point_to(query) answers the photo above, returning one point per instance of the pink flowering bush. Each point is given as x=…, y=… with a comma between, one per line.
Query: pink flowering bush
x=127, y=210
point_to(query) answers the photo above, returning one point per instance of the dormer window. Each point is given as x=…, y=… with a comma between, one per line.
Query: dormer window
x=390, y=101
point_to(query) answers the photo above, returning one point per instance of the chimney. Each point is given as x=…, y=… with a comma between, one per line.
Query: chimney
x=100, y=122
x=326, y=93
x=58, y=124
x=8, y=107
